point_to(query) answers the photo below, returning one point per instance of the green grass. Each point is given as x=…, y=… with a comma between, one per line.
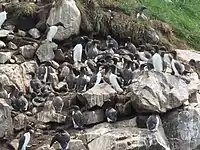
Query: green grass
x=184, y=16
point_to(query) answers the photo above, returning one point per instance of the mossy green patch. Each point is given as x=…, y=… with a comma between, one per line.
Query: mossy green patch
x=25, y=8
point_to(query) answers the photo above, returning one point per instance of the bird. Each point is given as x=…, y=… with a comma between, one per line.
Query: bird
x=21, y=102
x=42, y=73
x=62, y=137
x=91, y=50
x=152, y=123
x=25, y=138
x=3, y=92
x=70, y=78
x=77, y=51
x=177, y=68
x=140, y=14
x=58, y=104
x=52, y=30
x=113, y=41
x=77, y=117
x=130, y=46
x=111, y=115
x=35, y=84
x=3, y=16
x=157, y=61
x=82, y=80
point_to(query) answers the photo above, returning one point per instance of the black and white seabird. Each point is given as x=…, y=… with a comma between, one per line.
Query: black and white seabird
x=152, y=123
x=140, y=14
x=82, y=80
x=130, y=46
x=3, y=16
x=24, y=140
x=77, y=117
x=177, y=68
x=3, y=92
x=113, y=41
x=70, y=78
x=111, y=115
x=52, y=30
x=157, y=61
x=91, y=50
x=77, y=51
x=58, y=104
x=35, y=84
x=62, y=137
x=22, y=103
x=42, y=73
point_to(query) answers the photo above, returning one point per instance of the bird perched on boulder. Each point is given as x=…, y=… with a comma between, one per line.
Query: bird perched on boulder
x=113, y=41
x=3, y=16
x=77, y=117
x=152, y=123
x=24, y=140
x=140, y=14
x=111, y=115
x=62, y=137
x=52, y=30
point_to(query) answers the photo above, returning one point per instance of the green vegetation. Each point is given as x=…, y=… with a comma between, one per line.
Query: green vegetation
x=183, y=15
x=25, y=8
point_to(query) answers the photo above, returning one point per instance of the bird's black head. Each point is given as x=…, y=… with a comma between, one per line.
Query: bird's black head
x=20, y=93
x=32, y=74
x=110, y=45
x=28, y=128
x=85, y=38
x=75, y=107
x=60, y=24
x=192, y=62
x=3, y=7
x=96, y=41
x=109, y=37
x=60, y=130
x=129, y=39
x=174, y=54
x=163, y=48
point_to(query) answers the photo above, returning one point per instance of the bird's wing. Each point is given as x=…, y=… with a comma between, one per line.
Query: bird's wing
x=78, y=118
x=45, y=33
x=53, y=140
x=21, y=142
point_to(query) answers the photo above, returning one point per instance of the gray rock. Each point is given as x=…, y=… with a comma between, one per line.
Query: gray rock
x=14, y=144
x=157, y=92
x=182, y=128
x=152, y=36
x=97, y=95
x=6, y=124
x=35, y=33
x=12, y=46
x=106, y=136
x=69, y=15
x=186, y=55
x=5, y=56
x=4, y=33
x=19, y=121
x=28, y=51
x=2, y=44
x=45, y=51
x=21, y=33
x=45, y=147
x=49, y=114
x=19, y=59
x=92, y=117
x=76, y=145
x=9, y=27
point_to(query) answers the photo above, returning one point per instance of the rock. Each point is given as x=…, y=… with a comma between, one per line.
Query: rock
x=92, y=117
x=97, y=95
x=21, y=33
x=19, y=122
x=5, y=56
x=14, y=144
x=10, y=37
x=9, y=27
x=186, y=55
x=157, y=92
x=35, y=33
x=13, y=74
x=28, y=51
x=45, y=147
x=182, y=127
x=76, y=145
x=19, y=59
x=29, y=66
x=69, y=15
x=4, y=33
x=45, y=51
x=2, y=44
x=152, y=36
x=6, y=125
x=12, y=46
x=49, y=114
x=107, y=137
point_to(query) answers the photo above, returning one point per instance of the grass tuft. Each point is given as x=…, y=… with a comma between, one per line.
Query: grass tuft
x=25, y=8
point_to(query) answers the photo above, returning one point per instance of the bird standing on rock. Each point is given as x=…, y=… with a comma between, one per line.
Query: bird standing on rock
x=35, y=84
x=77, y=117
x=113, y=41
x=82, y=80
x=91, y=50
x=52, y=30
x=62, y=137
x=157, y=60
x=3, y=16
x=24, y=140
x=111, y=115
x=3, y=92
x=77, y=51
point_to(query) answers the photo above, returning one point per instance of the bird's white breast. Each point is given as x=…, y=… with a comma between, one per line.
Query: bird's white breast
x=3, y=17
x=98, y=78
x=27, y=139
x=114, y=83
x=157, y=62
x=77, y=52
x=52, y=32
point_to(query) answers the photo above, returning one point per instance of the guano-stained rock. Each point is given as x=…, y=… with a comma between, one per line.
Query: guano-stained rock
x=157, y=92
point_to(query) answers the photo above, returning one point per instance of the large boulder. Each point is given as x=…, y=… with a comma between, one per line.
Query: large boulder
x=13, y=74
x=6, y=125
x=69, y=15
x=106, y=136
x=186, y=55
x=45, y=51
x=182, y=128
x=157, y=92
x=98, y=95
